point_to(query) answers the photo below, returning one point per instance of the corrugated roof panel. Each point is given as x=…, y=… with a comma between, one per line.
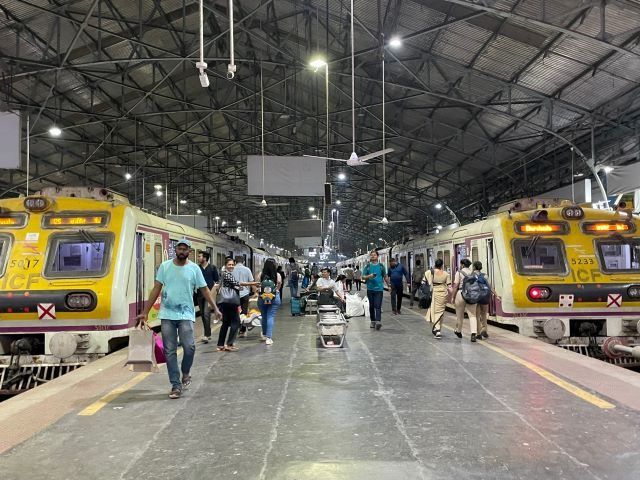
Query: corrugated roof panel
x=618, y=21
x=549, y=74
x=416, y=16
x=592, y=91
x=551, y=12
x=580, y=50
x=503, y=57
x=625, y=66
x=461, y=42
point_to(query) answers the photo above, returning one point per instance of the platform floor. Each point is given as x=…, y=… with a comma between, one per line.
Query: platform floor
x=393, y=404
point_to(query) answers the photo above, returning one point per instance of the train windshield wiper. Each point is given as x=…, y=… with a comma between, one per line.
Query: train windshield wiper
x=531, y=245
x=90, y=239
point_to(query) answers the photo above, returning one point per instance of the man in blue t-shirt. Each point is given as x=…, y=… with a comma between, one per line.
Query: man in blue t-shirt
x=397, y=273
x=375, y=276
x=177, y=279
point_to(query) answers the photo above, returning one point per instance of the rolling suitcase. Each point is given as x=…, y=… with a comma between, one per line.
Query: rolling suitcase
x=295, y=306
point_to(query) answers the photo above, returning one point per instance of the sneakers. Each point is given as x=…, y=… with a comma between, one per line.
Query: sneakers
x=268, y=341
x=473, y=337
x=438, y=334
x=262, y=338
x=204, y=339
x=186, y=381
x=372, y=325
x=484, y=335
x=175, y=393
x=378, y=325
x=458, y=334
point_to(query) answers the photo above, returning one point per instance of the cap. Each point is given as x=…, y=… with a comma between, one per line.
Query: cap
x=184, y=241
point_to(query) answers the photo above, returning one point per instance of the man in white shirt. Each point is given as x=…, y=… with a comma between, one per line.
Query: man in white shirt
x=243, y=275
x=326, y=284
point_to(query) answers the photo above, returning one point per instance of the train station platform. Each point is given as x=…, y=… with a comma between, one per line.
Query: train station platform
x=393, y=404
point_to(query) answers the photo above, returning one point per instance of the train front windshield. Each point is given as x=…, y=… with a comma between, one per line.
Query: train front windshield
x=540, y=256
x=78, y=255
x=619, y=255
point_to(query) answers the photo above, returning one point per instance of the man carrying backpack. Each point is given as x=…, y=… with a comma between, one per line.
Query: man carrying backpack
x=482, y=307
x=292, y=271
x=462, y=280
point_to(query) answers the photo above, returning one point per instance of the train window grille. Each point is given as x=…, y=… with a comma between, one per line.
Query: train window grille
x=78, y=255
x=172, y=249
x=157, y=256
x=5, y=246
x=544, y=256
x=619, y=255
x=475, y=254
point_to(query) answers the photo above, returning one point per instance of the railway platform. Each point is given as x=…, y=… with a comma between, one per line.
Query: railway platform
x=391, y=404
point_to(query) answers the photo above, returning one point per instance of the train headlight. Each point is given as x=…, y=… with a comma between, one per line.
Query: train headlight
x=36, y=204
x=80, y=301
x=537, y=293
x=634, y=291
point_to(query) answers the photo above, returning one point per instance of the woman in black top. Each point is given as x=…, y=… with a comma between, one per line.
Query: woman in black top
x=282, y=275
x=230, y=315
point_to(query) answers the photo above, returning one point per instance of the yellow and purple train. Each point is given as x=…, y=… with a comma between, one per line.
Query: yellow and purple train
x=76, y=265
x=561, y=272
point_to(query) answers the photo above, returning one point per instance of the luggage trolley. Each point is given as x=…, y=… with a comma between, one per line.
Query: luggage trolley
x=332, y=326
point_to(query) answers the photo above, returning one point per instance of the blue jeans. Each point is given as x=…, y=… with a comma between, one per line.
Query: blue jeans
x=375, y=305
x=171, y=330
x=268, y=313
x=293, y=288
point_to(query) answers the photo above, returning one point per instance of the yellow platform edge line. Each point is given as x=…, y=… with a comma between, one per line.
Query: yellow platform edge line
x=116, y=392
x=112, y=395
x=569, y=387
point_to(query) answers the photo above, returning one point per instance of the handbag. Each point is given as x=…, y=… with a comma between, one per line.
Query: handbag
x=141, y=356
x=228, y=295
x=159, y=348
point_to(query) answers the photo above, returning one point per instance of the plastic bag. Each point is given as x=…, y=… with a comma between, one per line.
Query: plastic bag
x=365, y=305
x=159, y=348
x=354, y=306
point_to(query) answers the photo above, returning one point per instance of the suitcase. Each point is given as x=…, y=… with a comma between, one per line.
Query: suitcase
x=295, y=306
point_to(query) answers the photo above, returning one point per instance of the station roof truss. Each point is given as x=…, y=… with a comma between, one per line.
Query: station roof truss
x=484, y=101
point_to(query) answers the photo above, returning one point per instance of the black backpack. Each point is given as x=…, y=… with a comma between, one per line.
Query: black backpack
x=482, y=281
x=473, y=291
x=426, y=295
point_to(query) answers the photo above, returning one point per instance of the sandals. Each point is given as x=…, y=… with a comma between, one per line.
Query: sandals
x=231, y=348
x=220, y=349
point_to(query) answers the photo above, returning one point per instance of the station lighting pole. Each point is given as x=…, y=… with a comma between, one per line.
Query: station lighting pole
x=316, y=64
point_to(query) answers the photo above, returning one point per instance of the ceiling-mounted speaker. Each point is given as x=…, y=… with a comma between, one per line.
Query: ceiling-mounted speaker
x=327, y=194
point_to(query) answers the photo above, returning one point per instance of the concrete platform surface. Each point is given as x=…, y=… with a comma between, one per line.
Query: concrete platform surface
x=392, y=404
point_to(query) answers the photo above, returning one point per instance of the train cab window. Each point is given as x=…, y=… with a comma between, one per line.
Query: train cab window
x=192, y=255
x=474, y=254
x=619, y=255
x=5, y=246
x=447, y=260
x=78, y=255
x=540, y=256
x=157, y=256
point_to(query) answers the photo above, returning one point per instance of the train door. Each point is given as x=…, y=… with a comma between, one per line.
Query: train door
x=459, y=253
x=491, y=275
x=139, y=272
x=430, y=259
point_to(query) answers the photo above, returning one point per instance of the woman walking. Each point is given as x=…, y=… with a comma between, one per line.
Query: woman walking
x=229, y=306
x=439, y=282
x=460, y=304
x=357, y=277
x=269, y=300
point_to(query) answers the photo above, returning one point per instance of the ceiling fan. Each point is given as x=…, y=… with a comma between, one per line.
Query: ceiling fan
x=354, y=160
x=263, y=203
x=384, y=220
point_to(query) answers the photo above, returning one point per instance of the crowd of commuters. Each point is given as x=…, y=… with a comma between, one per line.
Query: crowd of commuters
x=226, y=294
